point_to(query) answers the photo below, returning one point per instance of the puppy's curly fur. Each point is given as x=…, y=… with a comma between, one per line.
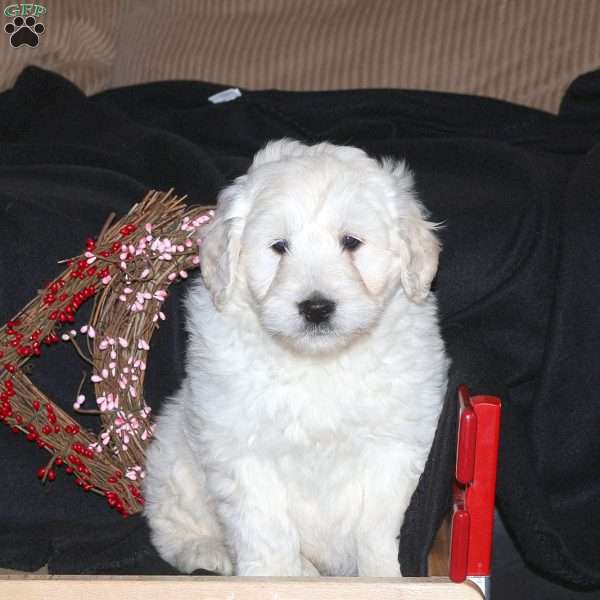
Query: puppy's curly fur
x=315, y=373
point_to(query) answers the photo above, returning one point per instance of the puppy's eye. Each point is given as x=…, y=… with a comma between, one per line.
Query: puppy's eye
x=280, y=246
x=350, y=243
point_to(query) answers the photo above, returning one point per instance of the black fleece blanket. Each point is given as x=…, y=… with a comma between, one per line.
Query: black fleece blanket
x=518, y=286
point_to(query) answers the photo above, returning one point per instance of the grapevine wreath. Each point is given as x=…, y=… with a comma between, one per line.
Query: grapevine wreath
x=127, y=270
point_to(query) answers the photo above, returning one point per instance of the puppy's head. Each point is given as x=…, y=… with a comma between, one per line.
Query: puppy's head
x=317, y=239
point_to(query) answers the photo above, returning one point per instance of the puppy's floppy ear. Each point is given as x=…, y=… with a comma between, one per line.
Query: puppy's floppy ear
x=414, y=242
x=221, y=242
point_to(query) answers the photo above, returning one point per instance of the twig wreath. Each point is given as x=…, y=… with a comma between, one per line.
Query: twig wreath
x=127, y=271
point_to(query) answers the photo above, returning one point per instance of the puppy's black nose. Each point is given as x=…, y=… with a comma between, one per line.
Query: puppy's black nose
x=316, y=309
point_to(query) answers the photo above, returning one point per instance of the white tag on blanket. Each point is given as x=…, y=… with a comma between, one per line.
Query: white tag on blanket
x=225, y=96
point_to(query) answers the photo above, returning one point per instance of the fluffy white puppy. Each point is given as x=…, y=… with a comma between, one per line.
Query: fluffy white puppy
x=315, y=373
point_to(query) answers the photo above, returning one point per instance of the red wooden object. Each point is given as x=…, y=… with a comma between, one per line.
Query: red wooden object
x=475, y=486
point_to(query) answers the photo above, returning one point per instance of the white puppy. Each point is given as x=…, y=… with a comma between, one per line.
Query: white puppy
x=315, y=373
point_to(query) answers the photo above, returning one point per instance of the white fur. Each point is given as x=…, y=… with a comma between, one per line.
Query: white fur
x=292, y=451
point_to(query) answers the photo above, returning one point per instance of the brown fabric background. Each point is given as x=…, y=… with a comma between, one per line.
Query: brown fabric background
x=525, y=51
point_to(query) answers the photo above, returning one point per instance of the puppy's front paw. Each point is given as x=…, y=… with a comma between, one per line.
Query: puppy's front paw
x=308, y=569
x=379, y=566
x=207, y=553
x=378, y=557
x=269, y=568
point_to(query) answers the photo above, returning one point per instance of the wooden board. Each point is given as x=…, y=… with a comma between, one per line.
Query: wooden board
x=59, y=587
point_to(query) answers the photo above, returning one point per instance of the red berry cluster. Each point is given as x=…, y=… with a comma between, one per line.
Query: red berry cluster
x=53, y=288
x=76, y=465
x=135, y=492
x=127, y=229
x=67, y=314
x=113, y=499
x=49, y=474
x=25, y=347
x=49, y=427
x=90, y=245
x=6, y=409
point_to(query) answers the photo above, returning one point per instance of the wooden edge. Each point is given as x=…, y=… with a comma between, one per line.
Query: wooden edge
x=102, y=587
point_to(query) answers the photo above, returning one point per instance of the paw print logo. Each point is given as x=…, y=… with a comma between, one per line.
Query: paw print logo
x=24, y=31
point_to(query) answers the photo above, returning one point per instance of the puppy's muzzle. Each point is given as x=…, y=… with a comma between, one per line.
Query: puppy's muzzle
x=316, y=309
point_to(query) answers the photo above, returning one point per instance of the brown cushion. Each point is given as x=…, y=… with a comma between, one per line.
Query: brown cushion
x=524, y=51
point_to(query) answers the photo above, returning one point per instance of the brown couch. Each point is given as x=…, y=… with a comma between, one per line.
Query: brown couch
x=525, y=51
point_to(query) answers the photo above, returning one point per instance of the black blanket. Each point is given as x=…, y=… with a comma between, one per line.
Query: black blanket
x=518, y=286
